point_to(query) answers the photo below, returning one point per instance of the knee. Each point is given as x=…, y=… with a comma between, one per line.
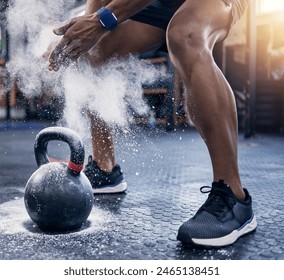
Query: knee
x=188, y=45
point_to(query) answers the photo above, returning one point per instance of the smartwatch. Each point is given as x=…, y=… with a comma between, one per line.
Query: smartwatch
x=107, y=18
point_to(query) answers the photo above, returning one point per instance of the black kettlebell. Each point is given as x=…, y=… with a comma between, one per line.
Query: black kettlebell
x=58, y=196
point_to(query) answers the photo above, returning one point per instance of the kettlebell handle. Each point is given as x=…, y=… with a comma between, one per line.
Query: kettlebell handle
x=66, y=135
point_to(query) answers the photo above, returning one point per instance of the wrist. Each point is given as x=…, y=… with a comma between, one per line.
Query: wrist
x=107, y=19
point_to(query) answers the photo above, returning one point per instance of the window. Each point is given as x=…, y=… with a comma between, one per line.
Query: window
x=269, y=6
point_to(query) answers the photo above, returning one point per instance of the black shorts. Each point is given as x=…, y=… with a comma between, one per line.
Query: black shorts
x=158, y=13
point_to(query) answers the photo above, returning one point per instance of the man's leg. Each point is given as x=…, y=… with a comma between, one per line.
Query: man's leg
x=192, y=33
x=129, y=37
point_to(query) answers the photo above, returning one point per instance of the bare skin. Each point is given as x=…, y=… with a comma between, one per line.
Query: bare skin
x=191, y=36
x=134, y=33
x=82, y=33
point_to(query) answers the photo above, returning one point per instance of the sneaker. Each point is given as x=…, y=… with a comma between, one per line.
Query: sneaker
x=221, y=220
x=105, y=182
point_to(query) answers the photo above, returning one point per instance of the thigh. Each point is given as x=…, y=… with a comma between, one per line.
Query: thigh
x=208, y=20
x=130, y=37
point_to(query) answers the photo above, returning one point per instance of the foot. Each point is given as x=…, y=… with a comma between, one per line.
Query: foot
x=221, y=220
x=105, y=182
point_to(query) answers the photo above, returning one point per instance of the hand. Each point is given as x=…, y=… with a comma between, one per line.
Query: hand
x=79, y=35
x=50, y=48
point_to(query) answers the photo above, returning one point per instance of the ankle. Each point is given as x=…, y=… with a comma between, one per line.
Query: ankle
x=240, y=194
x=105, y=165
x=237, y=190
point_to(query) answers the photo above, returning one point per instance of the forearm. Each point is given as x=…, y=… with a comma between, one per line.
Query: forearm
x=123, y=9
x=93, y=5
x=82, y=33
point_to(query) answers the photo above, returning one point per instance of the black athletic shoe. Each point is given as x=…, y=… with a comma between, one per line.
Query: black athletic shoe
x=221, y=220
x=105, y=182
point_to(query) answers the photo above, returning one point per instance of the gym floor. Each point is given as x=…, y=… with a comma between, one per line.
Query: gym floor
x=164, y=171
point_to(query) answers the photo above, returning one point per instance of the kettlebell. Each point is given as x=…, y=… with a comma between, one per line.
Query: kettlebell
x=58, y=196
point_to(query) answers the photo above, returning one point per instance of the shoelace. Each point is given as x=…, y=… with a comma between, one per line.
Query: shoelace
x=218, y=200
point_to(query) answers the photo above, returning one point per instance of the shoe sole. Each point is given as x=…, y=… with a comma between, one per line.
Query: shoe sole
x=118, y=188
x=229, y=239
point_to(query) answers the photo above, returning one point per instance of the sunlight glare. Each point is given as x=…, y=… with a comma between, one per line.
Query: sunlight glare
x=271, y=5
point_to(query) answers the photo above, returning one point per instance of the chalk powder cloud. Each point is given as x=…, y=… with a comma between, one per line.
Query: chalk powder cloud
x=107, y=91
